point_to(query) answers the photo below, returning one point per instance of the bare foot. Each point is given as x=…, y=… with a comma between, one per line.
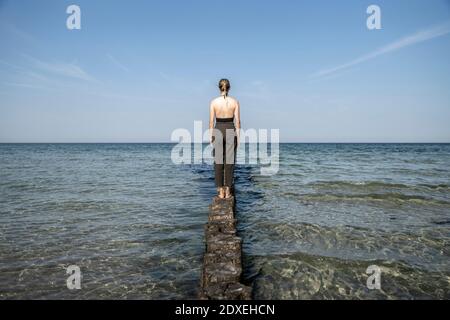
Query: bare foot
x=221, y=192
x=227, y=193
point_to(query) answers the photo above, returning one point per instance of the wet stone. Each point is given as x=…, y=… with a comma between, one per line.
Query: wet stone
x=220, y=217
x=226, y=227
x=222, y=262
x=220, y=257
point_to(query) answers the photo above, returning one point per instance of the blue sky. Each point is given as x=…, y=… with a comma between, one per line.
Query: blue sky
x=137, y=70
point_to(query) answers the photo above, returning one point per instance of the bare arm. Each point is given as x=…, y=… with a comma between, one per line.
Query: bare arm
x=237, y=121
x=211, y=121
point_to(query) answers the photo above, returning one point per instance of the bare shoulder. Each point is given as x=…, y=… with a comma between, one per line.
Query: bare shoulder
x=215, y=101
x=219, y=101
x=235, y=101
x=213, y=104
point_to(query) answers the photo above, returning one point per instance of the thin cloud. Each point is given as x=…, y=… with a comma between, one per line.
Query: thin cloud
x=69, y=70
x=24, y=71
x=153, y=99
x=407, y=41
x=118, y=64
x=10, y=65
x=23, y=85
x=166, y=76
x=16, y=32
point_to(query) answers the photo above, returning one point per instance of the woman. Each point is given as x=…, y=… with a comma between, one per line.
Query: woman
x=225, y=136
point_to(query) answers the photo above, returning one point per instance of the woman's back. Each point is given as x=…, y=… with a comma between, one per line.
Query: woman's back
x=224, y=107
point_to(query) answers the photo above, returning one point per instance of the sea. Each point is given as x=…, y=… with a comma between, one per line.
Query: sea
x=335, y=221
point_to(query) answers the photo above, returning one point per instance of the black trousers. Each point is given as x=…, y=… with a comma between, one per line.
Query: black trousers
x=225, y=143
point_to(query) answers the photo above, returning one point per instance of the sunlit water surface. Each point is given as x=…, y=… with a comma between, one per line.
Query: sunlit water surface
x=133, y=221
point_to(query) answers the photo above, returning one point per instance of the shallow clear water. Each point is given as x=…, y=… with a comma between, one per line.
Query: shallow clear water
x=133, y=221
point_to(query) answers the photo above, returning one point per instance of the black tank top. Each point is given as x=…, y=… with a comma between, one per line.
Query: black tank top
x=224, y=119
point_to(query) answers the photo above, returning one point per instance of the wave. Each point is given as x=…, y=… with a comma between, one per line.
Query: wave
x=436, y=186
x=354, y=236
x=376, y=185
x=309, y=261
x=386, y=197
x=304, y=276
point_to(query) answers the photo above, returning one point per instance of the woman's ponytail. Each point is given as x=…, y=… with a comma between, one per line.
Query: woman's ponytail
x=224, y=86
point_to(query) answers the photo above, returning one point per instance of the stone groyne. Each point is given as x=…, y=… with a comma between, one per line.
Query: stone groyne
x=222, y=262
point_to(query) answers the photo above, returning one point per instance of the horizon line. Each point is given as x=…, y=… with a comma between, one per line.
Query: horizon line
x=281, y=142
